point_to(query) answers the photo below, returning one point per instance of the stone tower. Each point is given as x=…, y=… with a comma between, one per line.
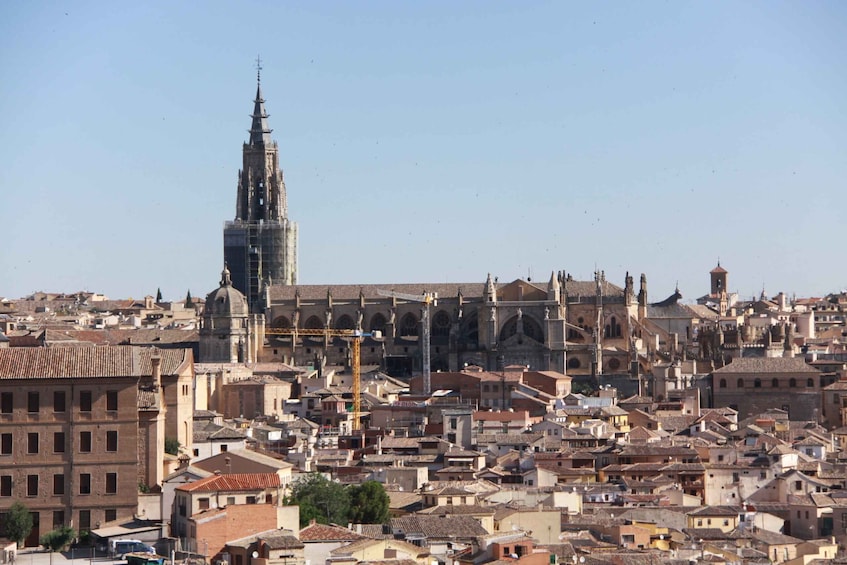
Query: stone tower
x=718, y=276
x=260, y=245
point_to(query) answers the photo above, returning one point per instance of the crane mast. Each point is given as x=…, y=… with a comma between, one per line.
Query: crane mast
x=427, y=299
x=356, y=365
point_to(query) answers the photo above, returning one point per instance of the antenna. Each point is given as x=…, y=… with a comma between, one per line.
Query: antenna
x=258, y=69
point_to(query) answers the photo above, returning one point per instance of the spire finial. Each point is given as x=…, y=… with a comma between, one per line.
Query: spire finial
x=258, y=69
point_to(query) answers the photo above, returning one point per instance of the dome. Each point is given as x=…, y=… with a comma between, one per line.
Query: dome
x=226, y=300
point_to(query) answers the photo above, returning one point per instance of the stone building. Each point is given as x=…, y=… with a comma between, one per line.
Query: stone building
x=82, y=427
x=754, y=385
x=260, y=244
x=228, y=332
x=491, y=325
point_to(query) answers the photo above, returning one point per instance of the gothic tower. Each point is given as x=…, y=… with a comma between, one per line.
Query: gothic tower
x=260, y=245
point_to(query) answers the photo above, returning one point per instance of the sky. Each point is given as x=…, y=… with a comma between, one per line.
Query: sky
x=428, y=141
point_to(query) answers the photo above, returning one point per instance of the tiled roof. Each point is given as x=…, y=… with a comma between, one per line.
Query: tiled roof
x=141, y=336
x=313, y=292
x=324, y=532
x=755, y=365
x=72, y=362
x=234, y=482
x=439, y=527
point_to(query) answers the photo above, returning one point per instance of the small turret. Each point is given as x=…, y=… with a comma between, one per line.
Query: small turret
x=490, y=290
x=553, y=289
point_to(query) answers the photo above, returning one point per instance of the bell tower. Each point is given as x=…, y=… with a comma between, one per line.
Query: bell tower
x=260, y=244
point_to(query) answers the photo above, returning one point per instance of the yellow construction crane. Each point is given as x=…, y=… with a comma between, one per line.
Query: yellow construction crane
x=427, y=299
x=355, y=337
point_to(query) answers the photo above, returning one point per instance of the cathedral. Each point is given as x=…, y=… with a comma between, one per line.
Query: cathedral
x=563, y=325
x=260, y=244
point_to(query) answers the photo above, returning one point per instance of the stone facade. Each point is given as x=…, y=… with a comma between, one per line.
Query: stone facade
x=582, y=327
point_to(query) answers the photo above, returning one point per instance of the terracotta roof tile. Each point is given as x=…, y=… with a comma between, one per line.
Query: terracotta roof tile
x=72, y=362
x=233, y=482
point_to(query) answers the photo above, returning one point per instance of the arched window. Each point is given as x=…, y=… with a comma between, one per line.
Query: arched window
x=409, y=325
x=774, y=383
x=792, y=382
x=574, y=363
x=810, y=383
x=531, y=329
x=613, y=328
x=378, y=323
x=722, y=383
x=314, y=323
x=441, y=324
x=757, y=383
x=614, y=364
x=740, y=383
x=345, y=322
x=281, y=322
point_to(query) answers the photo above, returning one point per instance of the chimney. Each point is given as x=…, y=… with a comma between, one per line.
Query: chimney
x=156, y=364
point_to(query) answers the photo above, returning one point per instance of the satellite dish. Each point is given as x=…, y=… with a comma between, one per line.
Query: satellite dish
x=255, y=554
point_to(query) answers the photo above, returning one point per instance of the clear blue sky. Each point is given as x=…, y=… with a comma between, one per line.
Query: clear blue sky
x=428, y=141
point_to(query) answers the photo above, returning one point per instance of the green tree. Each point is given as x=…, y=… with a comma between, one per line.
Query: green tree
x=320, y=499
x=58, y=539
x=172, y=445
x=158, y=295
x=18, y=523
x=368, y=503
x=189, y=302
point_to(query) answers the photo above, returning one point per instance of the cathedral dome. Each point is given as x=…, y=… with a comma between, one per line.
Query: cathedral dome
x=226, y=300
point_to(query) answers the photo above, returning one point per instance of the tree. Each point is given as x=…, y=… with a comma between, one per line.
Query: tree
x=368, y=503
x=189, y=302
x=172, y=446
x=158, y=295
x=58, y=539
x=18, y=523
x=320, y=499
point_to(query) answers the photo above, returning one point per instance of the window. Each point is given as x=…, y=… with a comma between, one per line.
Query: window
x=230, y=500
x=59, y=484
x=85, y=442
x=112, y=440
x=58, y=519
x=85, y=483
x=6, y=485
x=7, y=402
x=792, y=383
x=774, y=383
x=32, y=401
x=5, y=444
x=85, y=519
x=85, y=401
x=740, y=383
x=59, y=404
x=722, y=383
x=224, y=448
x=757, y=383
x=111, y=514
x=798, y=485
x=111, y=483
x=32, y=443
x=203, y=503
x=32, y=485
x=58, y=442
x=185, y=390
x=810, y=383
x=111, y=400
x=251, y=500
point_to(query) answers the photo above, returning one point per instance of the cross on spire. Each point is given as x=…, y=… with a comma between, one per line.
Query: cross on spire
x=258, y=68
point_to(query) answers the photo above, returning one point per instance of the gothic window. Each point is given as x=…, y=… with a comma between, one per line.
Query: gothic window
x=612, y=329
x=378, y=323
x=409, y=325
x=314, y=323
x=722, y=383
x=469, y=330
x=441, y=324
x=345, y=322
x=531, y=329
x=281, y=323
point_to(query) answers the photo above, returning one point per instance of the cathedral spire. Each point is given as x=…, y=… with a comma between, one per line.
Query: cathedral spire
x=260, y=133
